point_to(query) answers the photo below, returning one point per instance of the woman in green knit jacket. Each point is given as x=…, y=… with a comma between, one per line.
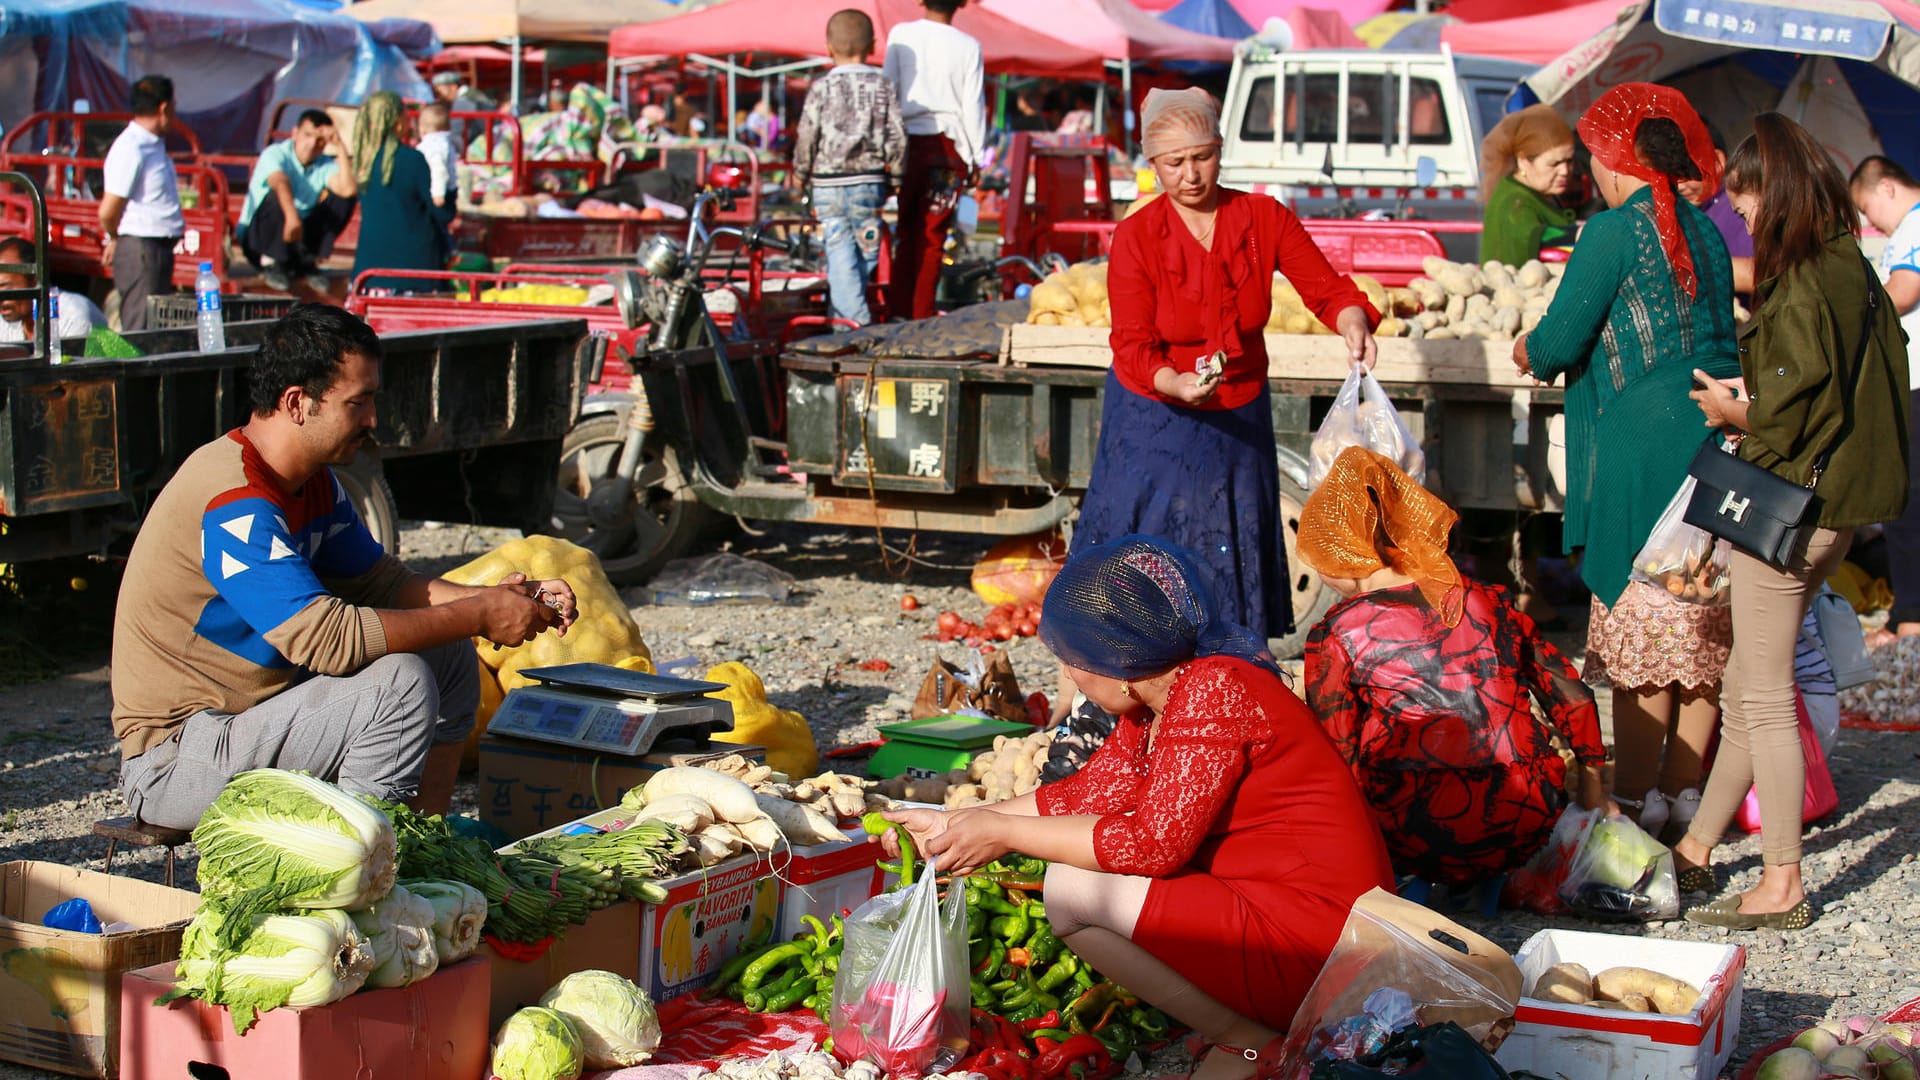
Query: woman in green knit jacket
x=1526, y=164
x=1647, y=298
x=1821, y=324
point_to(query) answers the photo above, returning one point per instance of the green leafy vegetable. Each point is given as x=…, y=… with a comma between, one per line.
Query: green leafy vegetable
x=1618, y=852
x=309, y=959
x=616, y=1021
x=296, y=841
x=537, y=1044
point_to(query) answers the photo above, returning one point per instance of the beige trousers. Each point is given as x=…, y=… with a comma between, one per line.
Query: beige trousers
x=1759, y=733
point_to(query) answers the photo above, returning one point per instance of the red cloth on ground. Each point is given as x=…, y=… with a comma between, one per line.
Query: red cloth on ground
x=920, y=238
x=1437, y=723
x=1257, y=837
x=1175, y=302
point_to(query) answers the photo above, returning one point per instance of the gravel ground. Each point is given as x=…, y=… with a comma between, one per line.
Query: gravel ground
x=59, y=763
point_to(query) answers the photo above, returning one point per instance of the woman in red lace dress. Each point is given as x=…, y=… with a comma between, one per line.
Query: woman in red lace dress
x=1425, y=681
x=1207, y=856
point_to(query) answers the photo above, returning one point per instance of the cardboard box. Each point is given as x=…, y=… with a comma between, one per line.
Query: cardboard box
x=1579, y=1042
x=526, y=787
x=824, y=878
x=60, y=990
x=435, y=1029
x=608, y=941
x=708, y=916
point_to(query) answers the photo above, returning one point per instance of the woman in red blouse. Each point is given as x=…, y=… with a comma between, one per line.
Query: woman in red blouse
x=1186, y=451
x=1425, y=681
x=1207, y=856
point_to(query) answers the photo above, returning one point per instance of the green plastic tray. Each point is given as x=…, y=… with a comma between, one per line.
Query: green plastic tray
x=936, y=744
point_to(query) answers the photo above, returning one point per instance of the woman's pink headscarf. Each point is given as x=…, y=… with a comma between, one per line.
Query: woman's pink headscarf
x=1178, y=120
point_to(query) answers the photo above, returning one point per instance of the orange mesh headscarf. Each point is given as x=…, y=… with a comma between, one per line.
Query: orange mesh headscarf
x=1177, y=119
x=1527, y=133
x=1609, y=129
x=1364, y=496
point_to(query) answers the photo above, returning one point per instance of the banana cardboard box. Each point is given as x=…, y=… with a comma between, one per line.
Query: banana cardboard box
x=60, y=989
x=709, y=916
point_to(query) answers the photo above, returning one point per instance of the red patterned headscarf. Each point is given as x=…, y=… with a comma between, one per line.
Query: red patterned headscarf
x=1609, y=129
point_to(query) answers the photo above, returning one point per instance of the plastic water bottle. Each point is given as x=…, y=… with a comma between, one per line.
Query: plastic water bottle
x=213, y=330
x=54, y=355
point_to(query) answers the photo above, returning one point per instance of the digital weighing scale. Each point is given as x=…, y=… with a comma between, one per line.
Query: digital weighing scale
x=937, y=744
x=608, y=709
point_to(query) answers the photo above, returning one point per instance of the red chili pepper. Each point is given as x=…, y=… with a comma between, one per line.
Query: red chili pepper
x=1041, y=1023
x=1019, y=958
x=1015, y=1066
x=1055, y=1062
x=1107, y=1016
x=1011, y=1038
x=1044, y=1044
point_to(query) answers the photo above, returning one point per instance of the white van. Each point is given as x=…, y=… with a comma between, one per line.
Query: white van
x=1339, y=132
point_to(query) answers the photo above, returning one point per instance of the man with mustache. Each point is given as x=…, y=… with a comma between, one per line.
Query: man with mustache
x=259, y=623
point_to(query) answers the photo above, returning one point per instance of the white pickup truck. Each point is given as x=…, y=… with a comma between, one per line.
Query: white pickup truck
x=1338, y=133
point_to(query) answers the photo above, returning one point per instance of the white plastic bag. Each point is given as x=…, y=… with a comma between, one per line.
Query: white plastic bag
x=1362, y=416
x=901, y=998
x=1684, y=561
x=1621, y=873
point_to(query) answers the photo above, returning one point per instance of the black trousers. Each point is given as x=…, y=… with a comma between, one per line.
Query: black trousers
x=319, y=229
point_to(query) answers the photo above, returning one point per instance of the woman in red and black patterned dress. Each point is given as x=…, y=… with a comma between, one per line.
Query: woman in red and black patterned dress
x=1207, y=856
x=1425, y=681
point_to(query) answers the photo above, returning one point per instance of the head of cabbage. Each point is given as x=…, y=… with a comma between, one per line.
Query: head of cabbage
x=293, y=841
x=537, y=1044
x=616, y=1021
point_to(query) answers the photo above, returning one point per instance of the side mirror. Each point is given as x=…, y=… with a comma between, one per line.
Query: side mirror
x=1425, y=171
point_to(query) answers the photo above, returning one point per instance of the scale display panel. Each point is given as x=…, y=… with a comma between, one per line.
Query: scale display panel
x=625, y=712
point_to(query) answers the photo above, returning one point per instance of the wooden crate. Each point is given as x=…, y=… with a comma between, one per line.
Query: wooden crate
x=1292, y=356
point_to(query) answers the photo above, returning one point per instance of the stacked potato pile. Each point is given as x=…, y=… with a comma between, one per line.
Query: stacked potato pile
x=1077, y=297
x=1291, y=315
x=1461, y=300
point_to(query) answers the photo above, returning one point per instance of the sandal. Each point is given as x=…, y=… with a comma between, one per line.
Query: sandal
x=1726, y=912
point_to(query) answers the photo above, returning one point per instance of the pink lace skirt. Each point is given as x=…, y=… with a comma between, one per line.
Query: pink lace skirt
x=1649, y=640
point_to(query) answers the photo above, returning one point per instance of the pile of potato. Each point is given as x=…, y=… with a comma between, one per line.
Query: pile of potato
x=1463, y=301
x=1631, y=989
x=1075, y=297
x=550, y=295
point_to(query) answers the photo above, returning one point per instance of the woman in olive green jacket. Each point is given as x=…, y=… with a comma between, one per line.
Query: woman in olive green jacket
x=1816, y=302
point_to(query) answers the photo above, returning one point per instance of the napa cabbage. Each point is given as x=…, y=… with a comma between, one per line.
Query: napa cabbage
x=297, y=841
x=252, y=962
x=459, y=914
x=399, y=927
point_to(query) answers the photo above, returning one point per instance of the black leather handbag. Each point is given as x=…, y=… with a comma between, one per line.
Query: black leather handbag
x=1755, y=510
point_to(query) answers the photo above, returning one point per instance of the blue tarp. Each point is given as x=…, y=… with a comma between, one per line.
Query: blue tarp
x=229, y=59
x=1215, y=17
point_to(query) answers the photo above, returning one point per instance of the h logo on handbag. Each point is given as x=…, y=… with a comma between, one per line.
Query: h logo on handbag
x=1737, y=510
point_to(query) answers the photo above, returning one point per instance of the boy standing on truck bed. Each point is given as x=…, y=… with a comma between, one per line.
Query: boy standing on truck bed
x=140, y=212
x=259, y=624
x=937, y=72
x=849, y=149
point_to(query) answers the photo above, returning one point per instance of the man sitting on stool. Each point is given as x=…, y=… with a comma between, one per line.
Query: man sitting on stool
x=299, y=201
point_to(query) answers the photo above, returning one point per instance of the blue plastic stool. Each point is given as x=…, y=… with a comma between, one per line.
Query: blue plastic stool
x=1486, y=891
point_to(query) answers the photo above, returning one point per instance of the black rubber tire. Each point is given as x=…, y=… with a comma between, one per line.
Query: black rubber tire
x=632, y=554
x=366, y=486
x=1311, y=596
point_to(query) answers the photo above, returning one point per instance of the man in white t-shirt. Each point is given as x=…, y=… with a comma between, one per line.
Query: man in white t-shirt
x=140, y=212
x=18, y=324
x=940, y=80
x=1889, y=198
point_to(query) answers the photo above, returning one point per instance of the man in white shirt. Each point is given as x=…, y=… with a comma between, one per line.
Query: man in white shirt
x=18, y=325
x=140, y=211
x=940, y=80
x=1889, y=198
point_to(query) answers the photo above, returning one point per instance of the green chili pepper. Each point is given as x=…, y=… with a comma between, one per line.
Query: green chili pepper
x=1058, y=1035
x=787, y=998
x=1044, y=946
x=819, y=935
x=730, y=971
x=763, y=966
x=1012, y=928
x=1059, y=975
x=873, y=824
x=996, y=957
x=1023, y=1012
x=982, y=996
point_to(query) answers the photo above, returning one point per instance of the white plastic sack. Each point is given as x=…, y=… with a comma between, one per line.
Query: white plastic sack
x=901, y=998
x=1362, y=416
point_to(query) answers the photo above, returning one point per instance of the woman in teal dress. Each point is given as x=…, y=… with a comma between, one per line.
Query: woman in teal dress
x=400, y=225
x=1647, y=297
x=1527, y=163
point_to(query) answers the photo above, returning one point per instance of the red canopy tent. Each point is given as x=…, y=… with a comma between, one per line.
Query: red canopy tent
x=799, y=28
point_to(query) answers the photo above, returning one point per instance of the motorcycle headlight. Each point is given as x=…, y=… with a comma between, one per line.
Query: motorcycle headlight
x=663, y=257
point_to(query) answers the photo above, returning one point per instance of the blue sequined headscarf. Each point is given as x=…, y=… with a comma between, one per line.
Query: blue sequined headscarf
x=1137, y=606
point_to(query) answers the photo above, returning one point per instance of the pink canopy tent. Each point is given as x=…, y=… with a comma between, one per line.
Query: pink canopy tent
x=1538, y=38
x=1346, y=14
x=798, y=28
x=1114, y=29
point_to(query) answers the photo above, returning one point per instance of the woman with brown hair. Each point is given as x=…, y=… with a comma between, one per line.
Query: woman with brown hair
x=1824, y=368
x=1526, y=163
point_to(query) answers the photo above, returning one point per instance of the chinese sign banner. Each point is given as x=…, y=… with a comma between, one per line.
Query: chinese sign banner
x=1848, y=29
